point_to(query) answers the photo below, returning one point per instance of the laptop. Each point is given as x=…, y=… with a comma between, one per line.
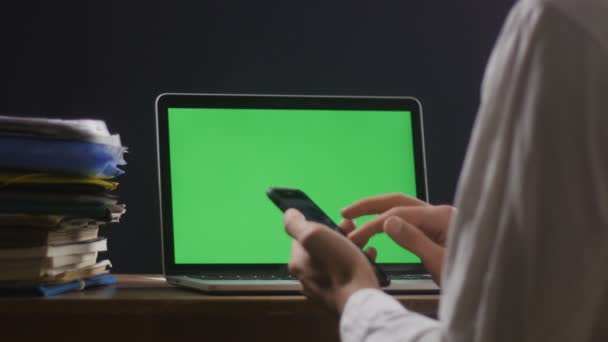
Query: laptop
x=219, y=153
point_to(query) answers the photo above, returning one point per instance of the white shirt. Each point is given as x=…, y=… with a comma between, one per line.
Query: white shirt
x=527, y=254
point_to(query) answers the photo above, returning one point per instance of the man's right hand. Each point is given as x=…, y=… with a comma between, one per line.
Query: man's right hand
x=415, y=225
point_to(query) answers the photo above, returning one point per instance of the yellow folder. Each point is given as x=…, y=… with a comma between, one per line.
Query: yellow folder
x=7, y=179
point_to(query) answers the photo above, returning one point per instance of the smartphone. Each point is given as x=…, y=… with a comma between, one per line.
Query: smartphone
x=286, y=198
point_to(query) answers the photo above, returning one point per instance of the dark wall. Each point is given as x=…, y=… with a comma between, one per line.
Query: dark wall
x=109, y=60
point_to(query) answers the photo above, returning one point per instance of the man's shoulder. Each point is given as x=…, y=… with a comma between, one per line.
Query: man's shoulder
x=590, y=15
x=567, y=6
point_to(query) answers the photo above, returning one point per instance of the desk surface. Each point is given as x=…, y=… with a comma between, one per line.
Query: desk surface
x=145, y=306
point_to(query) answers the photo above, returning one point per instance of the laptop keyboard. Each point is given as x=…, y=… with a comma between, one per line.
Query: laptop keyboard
x=409, y=276
x=286, y=276
x=244, y=276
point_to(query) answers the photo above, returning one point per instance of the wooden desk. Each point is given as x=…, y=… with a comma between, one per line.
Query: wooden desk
x=145, y=308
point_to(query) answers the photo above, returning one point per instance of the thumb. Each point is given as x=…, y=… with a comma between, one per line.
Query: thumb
x=413, y=239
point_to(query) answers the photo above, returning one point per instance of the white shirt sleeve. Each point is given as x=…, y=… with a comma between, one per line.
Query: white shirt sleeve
x=527, y=253
x=372, y=315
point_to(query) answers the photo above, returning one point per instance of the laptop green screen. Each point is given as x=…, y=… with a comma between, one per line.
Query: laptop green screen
x=223, y=160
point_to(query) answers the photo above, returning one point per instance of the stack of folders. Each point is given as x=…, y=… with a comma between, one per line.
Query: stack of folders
x=56, y=183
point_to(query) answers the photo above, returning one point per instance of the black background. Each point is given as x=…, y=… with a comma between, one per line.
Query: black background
x=109, y=60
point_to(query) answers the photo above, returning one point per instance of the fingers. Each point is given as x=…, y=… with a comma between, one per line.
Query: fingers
x=414, y=215
x=318, y=240
x=416, y=241
x=298, y=260
x=372, y=253
x=295, y=223
x=407, y=236
x=303, y=267
x=379, y=204
x=347, y=226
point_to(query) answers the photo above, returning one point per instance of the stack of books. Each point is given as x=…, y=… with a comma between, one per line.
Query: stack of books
x=56, y=183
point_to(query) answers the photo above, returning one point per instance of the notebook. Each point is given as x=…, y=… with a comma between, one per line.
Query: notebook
x=219, y=153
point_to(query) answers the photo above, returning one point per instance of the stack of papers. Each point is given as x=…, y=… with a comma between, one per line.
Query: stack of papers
x=56, y=183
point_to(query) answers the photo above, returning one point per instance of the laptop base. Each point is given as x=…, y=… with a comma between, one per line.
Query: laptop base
x=277, y=287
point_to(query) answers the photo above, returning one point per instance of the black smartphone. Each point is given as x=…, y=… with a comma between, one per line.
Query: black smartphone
x=286, y=198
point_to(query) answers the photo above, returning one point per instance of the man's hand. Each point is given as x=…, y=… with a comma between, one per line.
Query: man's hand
x=413, y=224
x=329, y=266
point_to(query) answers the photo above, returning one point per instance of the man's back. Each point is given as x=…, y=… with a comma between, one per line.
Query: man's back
x=588, y=14
x=528, y=252
x=528, y=249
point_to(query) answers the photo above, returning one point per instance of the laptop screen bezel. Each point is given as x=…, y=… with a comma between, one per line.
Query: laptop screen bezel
x=176, y=100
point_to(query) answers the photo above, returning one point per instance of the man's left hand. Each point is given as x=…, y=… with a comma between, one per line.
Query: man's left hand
x=330, y=267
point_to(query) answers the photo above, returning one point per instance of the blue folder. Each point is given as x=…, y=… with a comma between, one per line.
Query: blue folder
x=60, y=156
x=46, y=290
